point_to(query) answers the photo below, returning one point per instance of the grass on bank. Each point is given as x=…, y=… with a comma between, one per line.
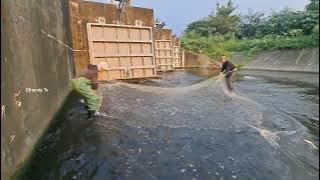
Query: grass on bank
x=215, y=46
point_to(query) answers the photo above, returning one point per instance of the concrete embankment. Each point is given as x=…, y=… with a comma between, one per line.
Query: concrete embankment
x=193, y=60
x=35, y=70
x=305, y=60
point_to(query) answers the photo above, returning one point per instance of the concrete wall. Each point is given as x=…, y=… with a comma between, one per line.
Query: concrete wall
x=287, y=60
x=176, y=41
x=196, y=60
x=83, y=12
x=32, y=56
x=164, y=34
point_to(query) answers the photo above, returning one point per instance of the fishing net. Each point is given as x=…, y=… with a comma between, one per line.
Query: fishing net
x=206, y=105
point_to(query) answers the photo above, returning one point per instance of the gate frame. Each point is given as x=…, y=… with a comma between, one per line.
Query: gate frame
x=124, y=69
x=179, y=58
x=167, y=57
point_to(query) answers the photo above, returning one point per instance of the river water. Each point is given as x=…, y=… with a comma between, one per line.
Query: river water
x=187, y=126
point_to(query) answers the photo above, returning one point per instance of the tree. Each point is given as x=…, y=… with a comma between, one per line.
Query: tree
x=220, y=23
x=316, y=31
x=224, y=21
x=226, y=10
x=313, y=5
x=200, y=27
x=286, y=21
x=250, y=24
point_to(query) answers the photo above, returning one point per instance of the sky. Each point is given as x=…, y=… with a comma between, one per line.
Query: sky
x=177, y=14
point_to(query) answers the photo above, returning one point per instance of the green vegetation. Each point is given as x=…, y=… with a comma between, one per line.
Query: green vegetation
x=224, y=32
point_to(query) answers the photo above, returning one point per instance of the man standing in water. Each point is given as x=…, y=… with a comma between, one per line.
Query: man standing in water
x=228, y=70
x=86, y=84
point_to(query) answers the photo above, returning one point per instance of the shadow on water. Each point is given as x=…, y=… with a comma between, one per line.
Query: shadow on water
x=109, y=147
x=56, y=140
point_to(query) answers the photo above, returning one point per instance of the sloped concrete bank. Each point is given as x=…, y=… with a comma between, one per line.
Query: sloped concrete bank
x=304, y=60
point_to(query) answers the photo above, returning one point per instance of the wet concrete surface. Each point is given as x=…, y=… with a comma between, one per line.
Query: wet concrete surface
x=182, y=127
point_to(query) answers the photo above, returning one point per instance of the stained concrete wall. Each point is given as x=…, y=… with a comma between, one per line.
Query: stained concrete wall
x=197, y=60
x=176, y=41
x=285, y=60
x=164, y=34
x=33, y=55
x=83, y=12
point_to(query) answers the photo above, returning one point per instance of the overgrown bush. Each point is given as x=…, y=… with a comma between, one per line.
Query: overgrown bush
x=215, y=46
x=316, y=31
x=224, y=32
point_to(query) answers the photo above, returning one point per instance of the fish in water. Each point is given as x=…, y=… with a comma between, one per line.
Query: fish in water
x=249, y=77
x=311, y=143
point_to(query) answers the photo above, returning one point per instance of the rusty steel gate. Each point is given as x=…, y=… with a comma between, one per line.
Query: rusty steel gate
x=128, y=50
x=163, y=55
